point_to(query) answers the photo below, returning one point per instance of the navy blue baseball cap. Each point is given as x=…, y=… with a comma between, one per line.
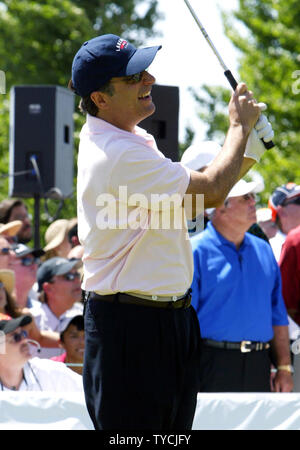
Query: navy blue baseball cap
x=55, y=266
x=281, y=195
x=107, y=56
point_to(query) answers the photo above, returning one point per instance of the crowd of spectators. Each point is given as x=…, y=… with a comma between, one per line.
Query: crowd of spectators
x=41, y=312
x=40, y=294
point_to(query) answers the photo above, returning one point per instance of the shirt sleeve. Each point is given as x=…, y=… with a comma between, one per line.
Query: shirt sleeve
x=196, y=284
x=290, y=274
x=279, y=313
x=143, y=171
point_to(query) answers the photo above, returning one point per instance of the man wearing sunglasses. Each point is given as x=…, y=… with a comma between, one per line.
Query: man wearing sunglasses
x=25, y=273
x=237, y=296
x=8, y=258
x=60, y=294
x=139, y=326
x=285, y=206
x=19, y=371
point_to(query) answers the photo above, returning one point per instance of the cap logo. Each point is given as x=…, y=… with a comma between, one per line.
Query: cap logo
x=121, y=44
x=290, y=185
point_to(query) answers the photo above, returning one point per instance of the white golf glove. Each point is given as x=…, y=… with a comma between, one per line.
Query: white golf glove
x=262, y=130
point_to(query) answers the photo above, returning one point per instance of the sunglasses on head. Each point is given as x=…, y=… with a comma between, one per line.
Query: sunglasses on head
x=17, y=337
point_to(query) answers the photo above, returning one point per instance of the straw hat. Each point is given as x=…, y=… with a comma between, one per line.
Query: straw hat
x=7, y=277
x=10, y=228
x=57, y=231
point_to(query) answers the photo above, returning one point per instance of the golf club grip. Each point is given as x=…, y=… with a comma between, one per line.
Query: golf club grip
x=233, y=84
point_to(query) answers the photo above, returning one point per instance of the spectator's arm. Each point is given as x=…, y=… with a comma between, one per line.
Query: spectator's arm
x=280, y=344
x=45, y=338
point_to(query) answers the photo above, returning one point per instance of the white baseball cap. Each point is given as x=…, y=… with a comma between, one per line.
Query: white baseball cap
x=200, y=155
x=243, y=187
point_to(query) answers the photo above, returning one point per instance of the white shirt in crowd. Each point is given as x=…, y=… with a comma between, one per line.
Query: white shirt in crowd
x=48, y=375
x=276, y=243
x=46, y=320
x=118, y=260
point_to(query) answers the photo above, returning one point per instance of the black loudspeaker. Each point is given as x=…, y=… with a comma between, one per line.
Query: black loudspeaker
x=163, y=124
x=41, y=127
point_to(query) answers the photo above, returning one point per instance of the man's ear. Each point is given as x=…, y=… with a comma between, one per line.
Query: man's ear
x=47, y=287
x=100, y=99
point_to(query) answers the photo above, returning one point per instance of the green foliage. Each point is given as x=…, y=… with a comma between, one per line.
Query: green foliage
x=267, y=37
x=213, y=110
x=38, y=40
x=188, y=139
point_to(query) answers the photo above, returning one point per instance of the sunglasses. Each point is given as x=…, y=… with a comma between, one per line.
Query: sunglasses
x=295, y=201
x=17, y=337
x=1, y=285
x=71, y=276
x=251, y=196
x=29, y=261
x=5, y=251
x=135, y=78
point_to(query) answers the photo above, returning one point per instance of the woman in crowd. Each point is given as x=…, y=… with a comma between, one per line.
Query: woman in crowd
x=10, y=310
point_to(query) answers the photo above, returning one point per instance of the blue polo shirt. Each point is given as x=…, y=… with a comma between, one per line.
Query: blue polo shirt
x=236, y=293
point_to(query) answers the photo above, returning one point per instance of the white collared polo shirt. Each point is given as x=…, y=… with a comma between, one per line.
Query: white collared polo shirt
x=130, y=243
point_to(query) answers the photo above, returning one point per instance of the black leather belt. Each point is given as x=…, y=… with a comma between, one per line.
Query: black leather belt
x=243, y=346
x=130, y=299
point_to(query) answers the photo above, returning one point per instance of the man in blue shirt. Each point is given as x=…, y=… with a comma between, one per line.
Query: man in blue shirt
x=236, y=292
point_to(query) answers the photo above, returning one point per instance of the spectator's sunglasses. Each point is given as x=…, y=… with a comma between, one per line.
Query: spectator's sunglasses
x=294, y=201
x=249, y=196
x=5, y=250
x=70, y=276
x=29, y=261
x=17, y=337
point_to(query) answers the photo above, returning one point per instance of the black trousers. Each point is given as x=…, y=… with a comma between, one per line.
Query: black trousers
x=141, y=366
x=224, y=370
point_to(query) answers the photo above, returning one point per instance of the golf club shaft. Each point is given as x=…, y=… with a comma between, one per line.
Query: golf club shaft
x=232, y=81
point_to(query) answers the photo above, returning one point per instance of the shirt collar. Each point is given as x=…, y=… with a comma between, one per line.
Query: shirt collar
x=96, y=125
x=220, y=240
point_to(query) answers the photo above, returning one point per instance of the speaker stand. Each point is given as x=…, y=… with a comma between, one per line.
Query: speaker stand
x=37, y=201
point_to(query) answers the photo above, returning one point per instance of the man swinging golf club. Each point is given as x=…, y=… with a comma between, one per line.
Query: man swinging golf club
x=142, y=335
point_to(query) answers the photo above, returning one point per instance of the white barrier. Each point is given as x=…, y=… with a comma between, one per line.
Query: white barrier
x=43, y=411
x=247, y=411
x=215, y=411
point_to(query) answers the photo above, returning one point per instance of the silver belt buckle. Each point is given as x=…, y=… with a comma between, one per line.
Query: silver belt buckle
x=243, y=347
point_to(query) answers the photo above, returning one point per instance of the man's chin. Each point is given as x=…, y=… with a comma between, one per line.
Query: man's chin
x=148, y=113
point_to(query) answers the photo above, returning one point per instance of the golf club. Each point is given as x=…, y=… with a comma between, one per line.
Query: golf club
x=227, y=72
